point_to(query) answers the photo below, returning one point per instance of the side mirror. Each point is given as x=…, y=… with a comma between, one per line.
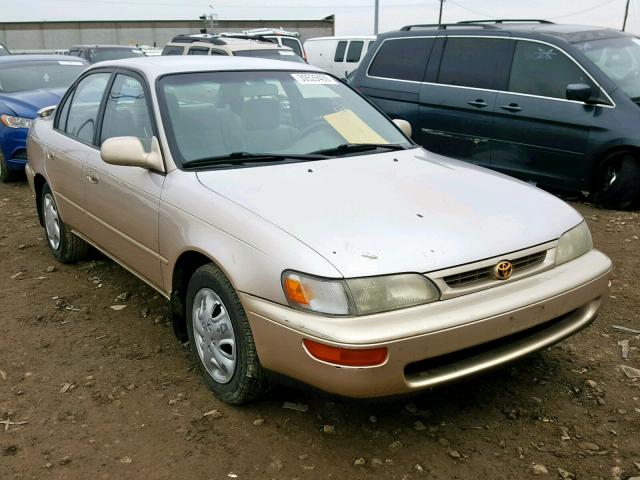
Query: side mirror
x=404, y=126
x=130, y=152
x=580, y=92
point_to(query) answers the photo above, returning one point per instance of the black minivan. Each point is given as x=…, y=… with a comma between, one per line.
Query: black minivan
x=558, y=105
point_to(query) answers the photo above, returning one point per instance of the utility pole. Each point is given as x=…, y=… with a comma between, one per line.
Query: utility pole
x=626, y=14
x=440, y=14
x=375, y=17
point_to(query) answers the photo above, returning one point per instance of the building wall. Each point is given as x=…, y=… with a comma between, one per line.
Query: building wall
x=48, y=36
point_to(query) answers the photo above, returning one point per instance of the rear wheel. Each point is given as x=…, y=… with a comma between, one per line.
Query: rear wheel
x=221, y=339
x=617, y=182
x=7, y=174
x=64, y=245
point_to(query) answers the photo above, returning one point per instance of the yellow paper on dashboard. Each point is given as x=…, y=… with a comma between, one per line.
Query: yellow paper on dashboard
x=353, y=128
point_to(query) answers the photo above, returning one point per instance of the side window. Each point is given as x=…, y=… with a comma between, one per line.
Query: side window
x=126, y=112
x=173, y=50
x=217, y=52
x=355, y=50
x=476, y=62
x=402, y=59
x=540, y=69
x=64, y=114
x=83, y=111
x=293, y=44
x=198, y=51
x=74, y=52
x=339, y=56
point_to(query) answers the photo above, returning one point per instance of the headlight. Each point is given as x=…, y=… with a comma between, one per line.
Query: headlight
x=15, y=122
x=574, y=243
x=357, y=296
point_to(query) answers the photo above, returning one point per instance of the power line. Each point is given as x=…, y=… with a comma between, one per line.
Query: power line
x=600, y=5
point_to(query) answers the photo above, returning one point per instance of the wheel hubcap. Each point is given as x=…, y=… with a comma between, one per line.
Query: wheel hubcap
x=51, y=221
x=214, y=336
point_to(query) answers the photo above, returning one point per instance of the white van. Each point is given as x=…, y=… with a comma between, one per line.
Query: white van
x=338, y=55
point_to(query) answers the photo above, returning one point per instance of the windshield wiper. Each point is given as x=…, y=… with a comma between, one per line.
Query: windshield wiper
x=359, y=147
x=245, y=158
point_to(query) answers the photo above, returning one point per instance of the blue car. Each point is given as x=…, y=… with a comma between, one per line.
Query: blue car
x=27, y=84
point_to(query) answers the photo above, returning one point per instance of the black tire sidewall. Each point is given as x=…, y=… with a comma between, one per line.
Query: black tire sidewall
x=211, y=278
x=625, y=190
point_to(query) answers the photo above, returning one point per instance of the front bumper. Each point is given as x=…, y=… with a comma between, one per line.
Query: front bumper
x=435, y=343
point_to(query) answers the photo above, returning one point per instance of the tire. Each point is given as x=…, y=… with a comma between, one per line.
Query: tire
x=6, y=174
x=617, y=183
x=64, y=245
x=221, y=339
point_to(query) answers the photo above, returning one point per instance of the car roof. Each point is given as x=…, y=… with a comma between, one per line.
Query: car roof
x=102, y=46
x=532, y=28
x=154, y=67
x=40, y=58
x=344, y=37
x=232, y=45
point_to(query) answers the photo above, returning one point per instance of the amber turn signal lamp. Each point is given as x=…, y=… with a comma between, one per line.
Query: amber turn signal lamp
x=294, y=291
x=349, y=357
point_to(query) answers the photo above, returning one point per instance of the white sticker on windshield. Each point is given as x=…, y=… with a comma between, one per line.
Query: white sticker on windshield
x=66, y=62
x=313, y=78
x=286, y=52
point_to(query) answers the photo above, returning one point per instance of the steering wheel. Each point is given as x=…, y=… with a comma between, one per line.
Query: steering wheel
x=632, y=75
x=89, y=121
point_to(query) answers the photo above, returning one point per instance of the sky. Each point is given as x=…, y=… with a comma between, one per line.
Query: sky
x=352, y=16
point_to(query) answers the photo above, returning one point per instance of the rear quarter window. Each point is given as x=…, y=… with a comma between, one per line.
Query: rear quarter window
x=172, y=50
x=402, y=59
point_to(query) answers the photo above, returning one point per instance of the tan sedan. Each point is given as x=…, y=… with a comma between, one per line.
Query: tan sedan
x=296, y=230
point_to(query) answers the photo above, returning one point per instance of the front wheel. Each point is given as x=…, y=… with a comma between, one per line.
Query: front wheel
x=221, y=339
x=617, y=183
x=64, y=245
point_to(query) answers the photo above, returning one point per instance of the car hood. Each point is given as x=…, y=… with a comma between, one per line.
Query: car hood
x=27, y=104
x=406, y=211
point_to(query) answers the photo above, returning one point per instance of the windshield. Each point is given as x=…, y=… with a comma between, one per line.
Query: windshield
x=272, y=53
x=24, y=76
x=102, y=54
x=619, y=59
x=217, y=114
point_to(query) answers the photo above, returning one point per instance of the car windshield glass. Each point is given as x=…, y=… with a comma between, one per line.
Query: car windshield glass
x=24, y=76
x=215, y=114
x=272, y=53
x=102, y=54
x=619, y=59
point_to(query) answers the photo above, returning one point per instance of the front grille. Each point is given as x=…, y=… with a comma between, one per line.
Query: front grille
x=477, y=275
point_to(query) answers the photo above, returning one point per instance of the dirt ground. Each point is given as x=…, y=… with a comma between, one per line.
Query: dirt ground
x=90, y=392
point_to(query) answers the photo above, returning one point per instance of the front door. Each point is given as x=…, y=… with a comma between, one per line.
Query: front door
x=539, y=134
x=456, y=111
x=73, y=135
x=123, y=201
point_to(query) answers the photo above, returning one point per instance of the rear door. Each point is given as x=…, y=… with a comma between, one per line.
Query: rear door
x=392, y=79
x=539, y=134
x=456, y=106
x=124, y=201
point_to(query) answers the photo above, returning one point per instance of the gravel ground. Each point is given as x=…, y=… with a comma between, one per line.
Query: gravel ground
x=87, y=391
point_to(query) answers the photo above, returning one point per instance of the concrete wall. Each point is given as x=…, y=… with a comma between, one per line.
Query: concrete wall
x=46, y=36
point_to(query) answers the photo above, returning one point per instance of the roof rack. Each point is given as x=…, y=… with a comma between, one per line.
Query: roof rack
x=271, y=31
x=198, y=37
x=247, y=36
x=447, y=26
x=507, y=20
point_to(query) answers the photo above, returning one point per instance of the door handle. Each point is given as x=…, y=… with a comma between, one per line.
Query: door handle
x=92, y=178
x=50, y=156
x=512, y=107
x=478, y=103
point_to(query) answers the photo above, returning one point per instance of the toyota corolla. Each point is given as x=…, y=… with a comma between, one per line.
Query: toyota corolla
x=298, y=231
